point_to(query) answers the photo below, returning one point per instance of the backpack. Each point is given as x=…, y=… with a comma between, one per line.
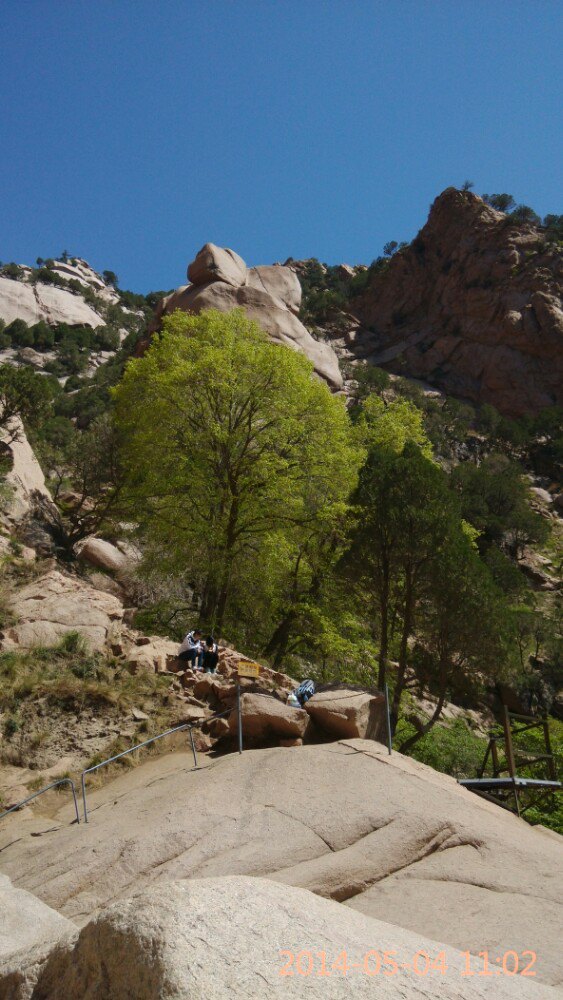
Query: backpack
x=305, y=691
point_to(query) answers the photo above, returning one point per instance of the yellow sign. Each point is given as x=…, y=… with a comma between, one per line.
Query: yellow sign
x=246, y=668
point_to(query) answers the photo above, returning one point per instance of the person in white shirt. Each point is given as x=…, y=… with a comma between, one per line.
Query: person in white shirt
x=191, y=650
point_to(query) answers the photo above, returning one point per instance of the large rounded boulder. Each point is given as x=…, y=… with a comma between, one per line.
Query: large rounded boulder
x=270, y=295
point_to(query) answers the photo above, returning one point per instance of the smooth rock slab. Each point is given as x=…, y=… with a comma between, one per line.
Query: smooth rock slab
x=280, y=282
x=382, y=834
x=20, y=300
x=248, y=939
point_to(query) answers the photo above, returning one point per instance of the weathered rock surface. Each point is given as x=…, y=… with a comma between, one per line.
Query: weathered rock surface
x=153, y=657
x=98, y=552
x=280, y=282
x=55, y=604
x=25, y=478
x=32, y=303
x=29, y=930
x=385, y=835
x=210, y=939
x=214, y=263
x=263, y=717
x=349, y=713
x=271, y=295
x=473, y=305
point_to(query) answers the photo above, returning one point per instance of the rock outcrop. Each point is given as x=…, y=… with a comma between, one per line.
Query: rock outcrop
x=385, y=835
x=271, y=295
x=25, y=479
x=473, y=305
x=247, y=939
x=264, y=717
x=151, y=655
x=32, y=303
x=55, y=604
x=349, y=713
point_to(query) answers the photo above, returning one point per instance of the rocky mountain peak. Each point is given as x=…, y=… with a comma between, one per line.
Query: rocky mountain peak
x=472, y=305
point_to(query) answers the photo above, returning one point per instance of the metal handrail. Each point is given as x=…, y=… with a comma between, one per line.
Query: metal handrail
x=61, y=781
x=185, y=725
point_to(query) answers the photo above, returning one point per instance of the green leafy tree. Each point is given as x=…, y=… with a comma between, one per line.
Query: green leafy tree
x=13, y=271
x=553, y=225
x=43, y=335
x=87, y=465
x=502, y=202
x=494, y=499
x=229, y=441
x=384, y=500
x=18, y=332
x=464, y=626
x=524, y=215
x=405, y=516
x=22, y=394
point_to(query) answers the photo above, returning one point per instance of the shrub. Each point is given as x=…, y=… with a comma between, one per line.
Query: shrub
x=43, y=336
x=13, y=271
x=524, y=215
x=73, y=642
x=47, y=277
x=107, y=339
x=10, y=726
x=17, y=329
x=502, y=202
x=71, y=359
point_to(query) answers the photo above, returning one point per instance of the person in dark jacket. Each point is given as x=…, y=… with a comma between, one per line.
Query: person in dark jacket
x=210, y=655
x=191, y=649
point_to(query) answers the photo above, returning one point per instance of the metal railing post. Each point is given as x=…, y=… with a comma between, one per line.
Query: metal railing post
x=83, y=776
x=168, y=732
x=388, y=721
x=193, y=746
x=239, y=718
x=54, y=784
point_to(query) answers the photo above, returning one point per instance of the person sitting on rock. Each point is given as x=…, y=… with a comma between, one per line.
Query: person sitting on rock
x=191, y=650
x=210, y=655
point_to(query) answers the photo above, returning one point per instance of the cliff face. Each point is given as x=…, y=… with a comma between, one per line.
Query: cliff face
x=473, y=305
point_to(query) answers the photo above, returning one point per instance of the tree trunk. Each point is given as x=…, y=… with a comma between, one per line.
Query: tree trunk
x=228, y=561
x=384, y=617
x=403, y=650
x=209, y=600
x=413, y=740
x=276, y=647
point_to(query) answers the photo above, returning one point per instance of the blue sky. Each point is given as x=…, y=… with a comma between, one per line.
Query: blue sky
x=133, y=131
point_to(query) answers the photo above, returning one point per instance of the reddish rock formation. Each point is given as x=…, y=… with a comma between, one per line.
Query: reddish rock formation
x=472, y=305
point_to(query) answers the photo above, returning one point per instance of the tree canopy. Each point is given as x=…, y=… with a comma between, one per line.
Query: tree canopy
x=234, y=449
